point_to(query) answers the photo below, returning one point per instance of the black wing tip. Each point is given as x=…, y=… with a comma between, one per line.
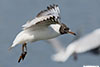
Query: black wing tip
x=52, y=6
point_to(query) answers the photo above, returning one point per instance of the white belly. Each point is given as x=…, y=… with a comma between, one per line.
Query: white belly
x=31, y=36
x=45, y=34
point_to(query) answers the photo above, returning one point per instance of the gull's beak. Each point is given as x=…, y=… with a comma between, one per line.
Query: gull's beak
x=71, y=32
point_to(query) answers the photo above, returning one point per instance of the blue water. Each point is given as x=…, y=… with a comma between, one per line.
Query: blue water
x=81, y=15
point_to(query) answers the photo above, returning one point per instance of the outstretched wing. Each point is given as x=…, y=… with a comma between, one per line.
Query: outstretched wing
x=44, y=18
x=51, y=10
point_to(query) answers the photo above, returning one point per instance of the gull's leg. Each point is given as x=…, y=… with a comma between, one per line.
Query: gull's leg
x=25, y=45
x=24, y=52
x=75, y=56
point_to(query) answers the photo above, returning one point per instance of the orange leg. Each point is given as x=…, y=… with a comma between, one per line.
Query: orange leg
x=24, y=52
x=24, y=46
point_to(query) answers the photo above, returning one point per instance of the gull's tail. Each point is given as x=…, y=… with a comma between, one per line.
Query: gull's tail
x=18, y=40
x=12, y=46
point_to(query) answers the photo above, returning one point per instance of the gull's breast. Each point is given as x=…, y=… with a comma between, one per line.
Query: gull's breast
x=45, y=34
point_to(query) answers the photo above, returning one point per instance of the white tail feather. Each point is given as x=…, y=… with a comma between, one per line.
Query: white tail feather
x=12, y=46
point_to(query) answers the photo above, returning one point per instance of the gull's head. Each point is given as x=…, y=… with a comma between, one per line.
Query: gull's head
x=65, y=30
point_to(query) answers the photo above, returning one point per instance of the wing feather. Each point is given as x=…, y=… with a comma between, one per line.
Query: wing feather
x=44, y=18
x=40, y=22
x=51, y=10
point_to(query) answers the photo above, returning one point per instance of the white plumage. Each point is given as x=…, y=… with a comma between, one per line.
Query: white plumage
x=86, y=43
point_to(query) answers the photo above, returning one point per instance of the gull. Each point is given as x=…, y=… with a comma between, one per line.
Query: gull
x=46, y=25
x=83, y=44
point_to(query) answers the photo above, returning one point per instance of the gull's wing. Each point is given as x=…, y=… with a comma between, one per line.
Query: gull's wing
x=51, y=10
x=88, y=42
x=44, y=18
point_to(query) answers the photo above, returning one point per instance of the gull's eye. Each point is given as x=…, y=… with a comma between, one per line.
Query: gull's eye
x=67, y=28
